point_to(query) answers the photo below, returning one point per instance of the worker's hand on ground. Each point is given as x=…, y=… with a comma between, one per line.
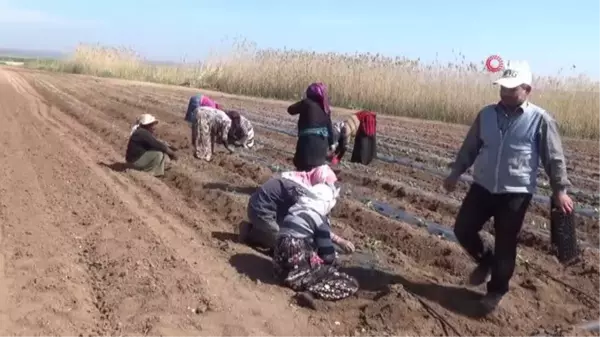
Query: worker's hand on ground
x=173, y=156
x=346, y=245
x=564, y=202
x=450, y=183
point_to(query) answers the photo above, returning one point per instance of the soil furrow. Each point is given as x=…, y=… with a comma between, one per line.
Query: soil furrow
x=415, y=285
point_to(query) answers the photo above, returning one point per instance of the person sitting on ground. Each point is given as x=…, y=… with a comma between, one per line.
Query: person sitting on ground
x=144, y=151
x=210, y=124
x=241, y=132
x=269, y=204
x=360, y=125
x=315, y=131
x=304, y=254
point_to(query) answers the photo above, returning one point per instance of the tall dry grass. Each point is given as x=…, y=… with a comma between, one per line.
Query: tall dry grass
x=121, y=63
x=452, y=92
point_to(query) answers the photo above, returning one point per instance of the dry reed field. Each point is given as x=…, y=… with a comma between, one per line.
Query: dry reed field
x=451, y=92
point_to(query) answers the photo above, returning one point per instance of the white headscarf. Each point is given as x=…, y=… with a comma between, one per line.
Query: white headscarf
x=320, y=198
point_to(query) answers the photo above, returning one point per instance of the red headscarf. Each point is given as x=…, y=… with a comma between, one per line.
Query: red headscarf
x=368, y=122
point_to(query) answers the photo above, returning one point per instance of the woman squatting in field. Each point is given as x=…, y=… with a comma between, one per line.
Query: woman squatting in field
x=361, y=125
x=270, y=203
x=144, y=151
x=315, y=132
x=304, y=253
x=209, y=123
x=242, y=131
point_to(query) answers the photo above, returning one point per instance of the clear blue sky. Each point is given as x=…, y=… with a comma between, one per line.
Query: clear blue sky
x=550, y=34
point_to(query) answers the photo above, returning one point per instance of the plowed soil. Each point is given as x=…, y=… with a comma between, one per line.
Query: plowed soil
x=89, y=248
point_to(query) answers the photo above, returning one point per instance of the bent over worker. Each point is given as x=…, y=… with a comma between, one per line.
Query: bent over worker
x=361, y=125
x=269, y=204
x=144, y=151
x=505, y=143
x=242, y=131
x=209, y=126
x=304, y=253
x=195, y=102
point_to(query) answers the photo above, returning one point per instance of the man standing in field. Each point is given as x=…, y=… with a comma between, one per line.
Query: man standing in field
x=505, y=143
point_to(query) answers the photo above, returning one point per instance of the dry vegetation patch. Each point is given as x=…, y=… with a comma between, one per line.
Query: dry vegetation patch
x=451, y=92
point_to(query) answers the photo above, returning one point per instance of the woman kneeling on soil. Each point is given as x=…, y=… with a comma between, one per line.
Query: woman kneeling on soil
x=361, y=125
x=304, y=253
x=241, y=132
x=144, y=151
x=315, y=133
x=209, y=125
x=270, y=203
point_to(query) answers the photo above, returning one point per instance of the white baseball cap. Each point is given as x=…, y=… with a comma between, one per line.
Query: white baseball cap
x=515, y=74
x=146, y=119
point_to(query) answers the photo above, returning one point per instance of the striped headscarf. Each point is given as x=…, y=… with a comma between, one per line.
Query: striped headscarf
x=318, y=92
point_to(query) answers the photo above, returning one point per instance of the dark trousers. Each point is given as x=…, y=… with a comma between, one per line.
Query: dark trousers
x=365, y=148
x=341, y=148
x=508, y=210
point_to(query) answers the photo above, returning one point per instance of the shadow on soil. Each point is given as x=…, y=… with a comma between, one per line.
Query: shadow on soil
x=117, y=167
x=231, y=188
x=232, y=237
x=459, y=300
x=256, y=267
x=224, y=236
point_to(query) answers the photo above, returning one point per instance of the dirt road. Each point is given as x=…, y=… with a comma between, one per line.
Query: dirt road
x=87, y=248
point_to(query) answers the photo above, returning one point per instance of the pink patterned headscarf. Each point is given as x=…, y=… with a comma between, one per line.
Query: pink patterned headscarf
x=319, y=175
x=206, y=101
x=318, y=92
x=322, y=174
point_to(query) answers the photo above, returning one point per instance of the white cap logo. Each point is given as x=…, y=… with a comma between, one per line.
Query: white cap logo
x=515, y=74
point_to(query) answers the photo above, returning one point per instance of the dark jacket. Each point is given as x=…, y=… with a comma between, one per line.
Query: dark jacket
x=141, y=141
x=312, y=116
x=273, y=199
x=315, y=134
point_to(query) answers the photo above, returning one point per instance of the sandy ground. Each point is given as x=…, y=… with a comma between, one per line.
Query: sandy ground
x=87, y=247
